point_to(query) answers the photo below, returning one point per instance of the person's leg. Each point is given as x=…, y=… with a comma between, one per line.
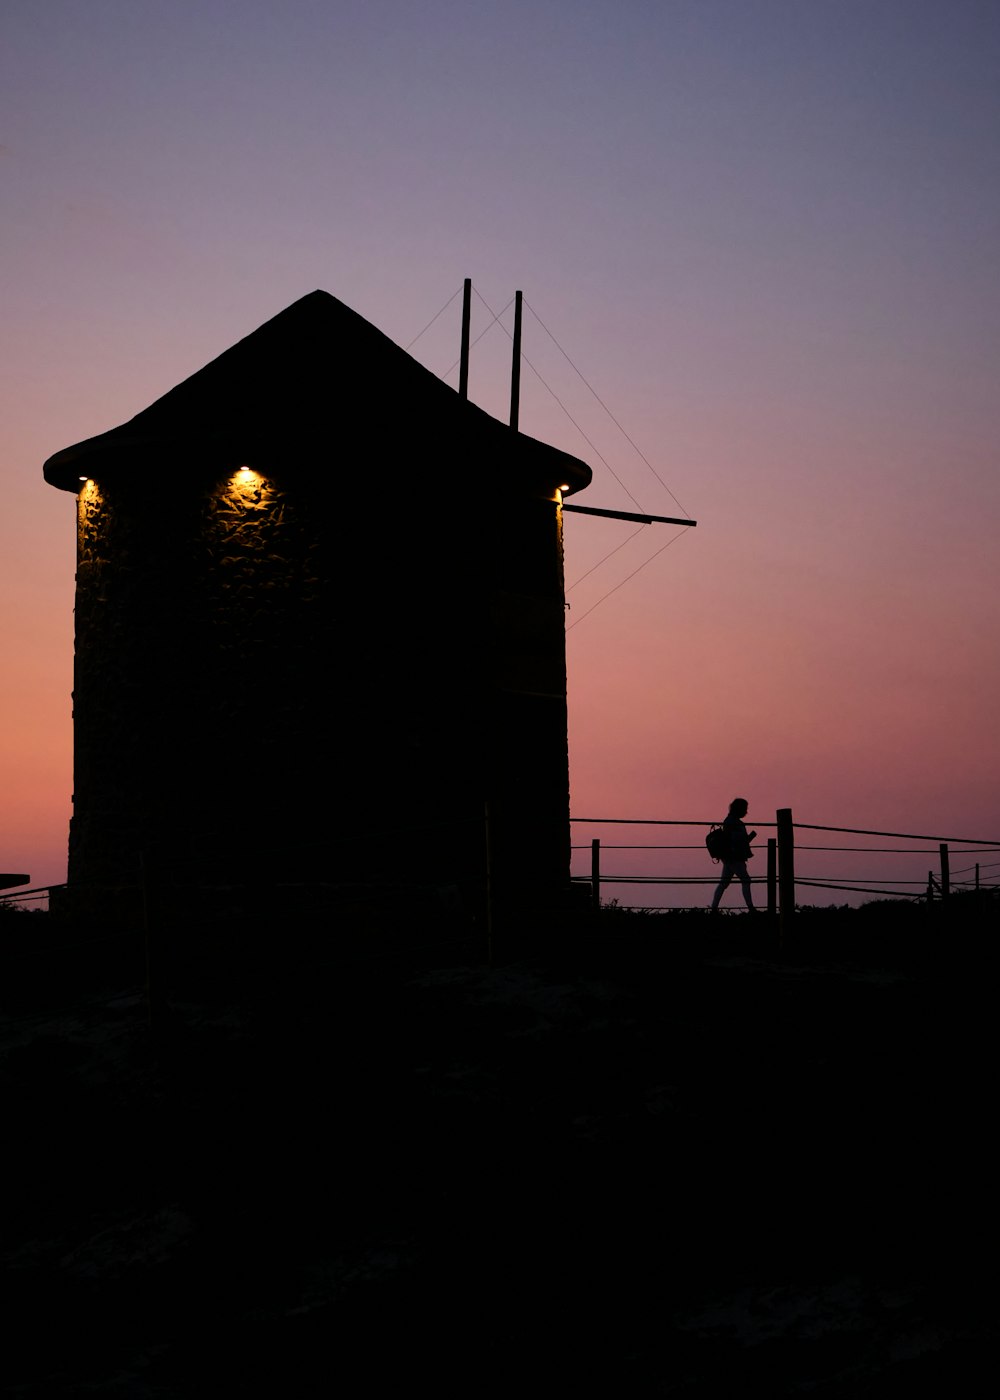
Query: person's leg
x=745, y=882
x=722, y=886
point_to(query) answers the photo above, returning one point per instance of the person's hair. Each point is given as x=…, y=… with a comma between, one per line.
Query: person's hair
x=742, y=804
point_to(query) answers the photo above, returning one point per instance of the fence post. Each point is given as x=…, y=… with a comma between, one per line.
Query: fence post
x=595, y=873
x=945, y=872
x=772, y=877
x=786, y=869
x=977, y=877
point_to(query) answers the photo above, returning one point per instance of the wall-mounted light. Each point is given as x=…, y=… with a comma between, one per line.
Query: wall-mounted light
x=246, y=476
x=245, y=481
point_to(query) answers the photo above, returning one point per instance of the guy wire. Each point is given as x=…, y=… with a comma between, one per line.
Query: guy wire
x=628, y=576
x=496, y=317
x=559, y=401
x=606, y=557
x=433, y=319
x=604, y=406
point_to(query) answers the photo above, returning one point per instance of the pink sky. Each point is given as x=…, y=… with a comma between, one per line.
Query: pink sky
x=766, y=232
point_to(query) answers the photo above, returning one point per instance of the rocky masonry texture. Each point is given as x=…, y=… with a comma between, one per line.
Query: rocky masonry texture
x=306, y=639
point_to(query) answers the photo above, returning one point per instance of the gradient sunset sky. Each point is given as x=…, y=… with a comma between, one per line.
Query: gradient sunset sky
x=767, y=232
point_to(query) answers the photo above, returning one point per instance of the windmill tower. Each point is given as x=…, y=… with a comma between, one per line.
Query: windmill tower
x=319, y=628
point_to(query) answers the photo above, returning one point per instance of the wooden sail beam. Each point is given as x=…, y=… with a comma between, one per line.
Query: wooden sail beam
x=627, y=515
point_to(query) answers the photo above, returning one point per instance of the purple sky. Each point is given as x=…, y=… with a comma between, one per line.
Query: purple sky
x=766, y=231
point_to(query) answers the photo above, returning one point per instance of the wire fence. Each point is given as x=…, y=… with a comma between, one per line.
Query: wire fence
x=926, y=871
x=156, y=911
x=660, y=875
x=935, y=871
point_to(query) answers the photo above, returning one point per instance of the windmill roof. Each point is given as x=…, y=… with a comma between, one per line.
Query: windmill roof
x=315, y=371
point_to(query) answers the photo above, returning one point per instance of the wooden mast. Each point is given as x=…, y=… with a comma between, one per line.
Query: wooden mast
x=463, y=372
x=515, y=370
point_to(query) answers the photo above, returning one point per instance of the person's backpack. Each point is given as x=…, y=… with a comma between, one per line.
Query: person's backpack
x=717, y=842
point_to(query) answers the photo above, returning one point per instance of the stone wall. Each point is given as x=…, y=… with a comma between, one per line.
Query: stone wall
x=282, y=675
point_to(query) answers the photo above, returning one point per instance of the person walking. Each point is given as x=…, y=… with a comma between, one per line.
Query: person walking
x=738, y=852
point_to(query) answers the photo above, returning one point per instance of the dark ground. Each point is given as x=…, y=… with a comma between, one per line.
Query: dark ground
x=655, y=1154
